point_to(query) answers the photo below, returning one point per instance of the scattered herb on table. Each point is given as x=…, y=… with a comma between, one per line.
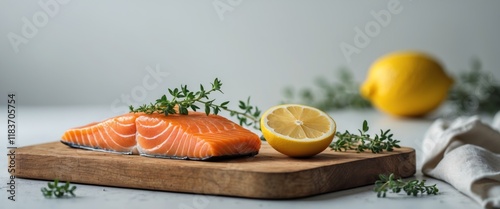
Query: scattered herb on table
x=58, y=191
x=412, y=187
x=363, y=141
x=182, y=99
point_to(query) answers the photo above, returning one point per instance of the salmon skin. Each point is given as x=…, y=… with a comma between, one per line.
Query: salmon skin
x=192, y=137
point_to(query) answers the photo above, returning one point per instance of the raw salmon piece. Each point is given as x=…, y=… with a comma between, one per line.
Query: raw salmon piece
x=195, y=136
x=116, y=134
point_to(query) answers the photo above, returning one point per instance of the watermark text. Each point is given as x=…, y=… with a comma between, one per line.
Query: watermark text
x=11, y=147
x=223, y=6
x=139, y=93
x=372, y=28
x=31, y=26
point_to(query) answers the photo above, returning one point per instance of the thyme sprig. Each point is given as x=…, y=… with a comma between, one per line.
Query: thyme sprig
x=413, y=187
x=58, y=191
x=249, y=116
x=328, y=95
x=182, y=100
x=476, y=91
x=363, y=141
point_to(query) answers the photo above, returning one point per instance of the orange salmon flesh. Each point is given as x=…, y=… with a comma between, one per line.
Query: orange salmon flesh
x=195, y=136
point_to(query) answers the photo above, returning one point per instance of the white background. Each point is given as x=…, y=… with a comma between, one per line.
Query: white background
x=93, y=52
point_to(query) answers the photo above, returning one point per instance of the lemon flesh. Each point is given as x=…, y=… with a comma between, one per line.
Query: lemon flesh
x=406, y=84
x=297, y=130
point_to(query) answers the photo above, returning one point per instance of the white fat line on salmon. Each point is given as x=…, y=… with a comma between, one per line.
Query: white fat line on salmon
x=75, y=137
x=125, y=124
x=217, y=124
x=125, y=118
x=198, y=145
x=151, y=126
x=94, y=131
x=161, y=133
x=227, y=126
x=170, y=128
x=205, y=146
x=121, y=135
x=177, y=132
x=180, y=146
x=210, y=126
x=187, y=142
x=83, y=135
x=197, y=128
x=106, y=127
x=102, y=137
x=89, y=136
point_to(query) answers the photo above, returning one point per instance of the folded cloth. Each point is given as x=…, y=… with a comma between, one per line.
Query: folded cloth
x=466, y=154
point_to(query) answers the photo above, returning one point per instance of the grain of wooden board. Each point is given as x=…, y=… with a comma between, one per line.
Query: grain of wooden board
x=268, y=175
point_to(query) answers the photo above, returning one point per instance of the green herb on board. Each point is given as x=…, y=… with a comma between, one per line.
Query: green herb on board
x=182, y=100
x=363, y=141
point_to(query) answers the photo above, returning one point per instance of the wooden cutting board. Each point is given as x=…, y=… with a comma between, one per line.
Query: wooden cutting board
x=268, y=175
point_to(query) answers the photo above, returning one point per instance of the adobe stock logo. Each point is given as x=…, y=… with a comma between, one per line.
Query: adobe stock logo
x=30, y=27
x=372, y=28
x=139, y=93
x=223, y=7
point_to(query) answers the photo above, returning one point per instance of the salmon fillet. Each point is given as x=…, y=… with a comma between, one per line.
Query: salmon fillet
x=117, y=134
x=195, y=136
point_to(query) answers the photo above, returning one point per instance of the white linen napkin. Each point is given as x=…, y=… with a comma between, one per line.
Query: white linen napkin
x=466, y=154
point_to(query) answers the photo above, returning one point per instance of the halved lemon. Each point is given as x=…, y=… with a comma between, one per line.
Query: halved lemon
x=297, y=130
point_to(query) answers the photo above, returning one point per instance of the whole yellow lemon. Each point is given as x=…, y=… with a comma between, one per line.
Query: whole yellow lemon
x=406, y=83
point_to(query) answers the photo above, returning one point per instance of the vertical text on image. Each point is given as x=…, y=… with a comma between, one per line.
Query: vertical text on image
x=11, y=147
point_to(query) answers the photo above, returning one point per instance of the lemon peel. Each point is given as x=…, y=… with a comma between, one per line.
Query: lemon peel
x=406, y=83
x=297, y=130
